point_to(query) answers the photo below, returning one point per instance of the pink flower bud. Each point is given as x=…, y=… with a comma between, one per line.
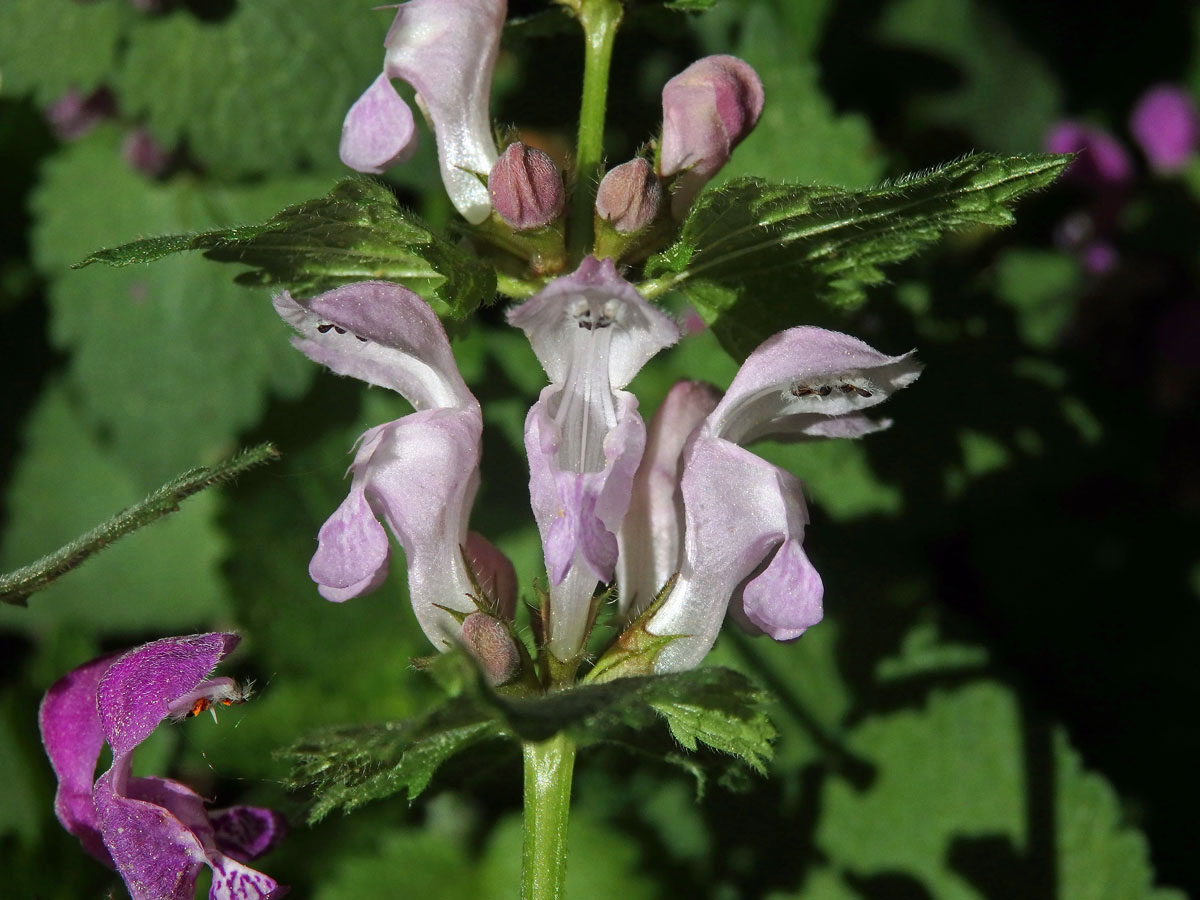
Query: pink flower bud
x=495, y=573
x=526, y=187
x=492, y=645
x=1166, y=125
x=707, y=109
x=143, y=153
x=629, y=196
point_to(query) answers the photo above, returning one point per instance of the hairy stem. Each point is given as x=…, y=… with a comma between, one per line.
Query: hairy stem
x=549, y=766
x=599, y=19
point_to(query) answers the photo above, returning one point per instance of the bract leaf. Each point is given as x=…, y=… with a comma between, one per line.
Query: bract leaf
x=357, y=232
x=754, y=257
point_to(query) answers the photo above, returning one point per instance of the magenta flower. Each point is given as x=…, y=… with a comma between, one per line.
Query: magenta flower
x=591, y=332
x=731, y=524
x=1103, y=161
x=419, y=474
x=1166, y=125
x=155, y=832
x=74, y=114
x=445, y=49
x=708, y=109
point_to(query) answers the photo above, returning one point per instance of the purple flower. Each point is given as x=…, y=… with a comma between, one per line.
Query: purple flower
x=591, y=332
x=445, y=49
x=1166, y=126
x=708, y=108
x=74, y=114
x=694, y=503
x=731, y=524
x=418, y=474
x=1103, y=162
x=143, y=153
x=526, y=187
x=155, y=832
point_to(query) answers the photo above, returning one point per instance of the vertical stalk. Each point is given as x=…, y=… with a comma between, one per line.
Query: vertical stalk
x=549, y=766
x=599, y=19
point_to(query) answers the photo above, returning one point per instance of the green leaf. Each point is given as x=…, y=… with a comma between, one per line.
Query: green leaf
x=82, y=40
x=755, y=257
x=27, y=793
x=800, y=137
x=717, y=707
x=16, y=586
x=954, y=807
x=357, y=232
x=403, y=863
x=161, y=579
x=348, y=767
x=1041, y=287
x=1004, y=95
x=264, y=89
x=170, y=361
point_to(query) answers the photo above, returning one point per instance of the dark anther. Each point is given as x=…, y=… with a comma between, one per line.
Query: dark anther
x=324, y=329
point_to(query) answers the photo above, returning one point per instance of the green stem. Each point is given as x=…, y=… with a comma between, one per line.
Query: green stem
x=599, y=19
x=549, y=766
x=516, y=288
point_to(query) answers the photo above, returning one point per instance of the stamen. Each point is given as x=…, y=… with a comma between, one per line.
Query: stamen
x=845, y=384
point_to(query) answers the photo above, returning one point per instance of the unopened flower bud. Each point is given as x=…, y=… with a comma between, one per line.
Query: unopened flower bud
x=629, y=196
x=708, y=108
x=1166, y=125
x=526, y=187
x=492, y=645
x=495, y=573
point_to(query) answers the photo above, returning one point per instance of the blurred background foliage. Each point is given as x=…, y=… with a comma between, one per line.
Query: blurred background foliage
x=1002, y=700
